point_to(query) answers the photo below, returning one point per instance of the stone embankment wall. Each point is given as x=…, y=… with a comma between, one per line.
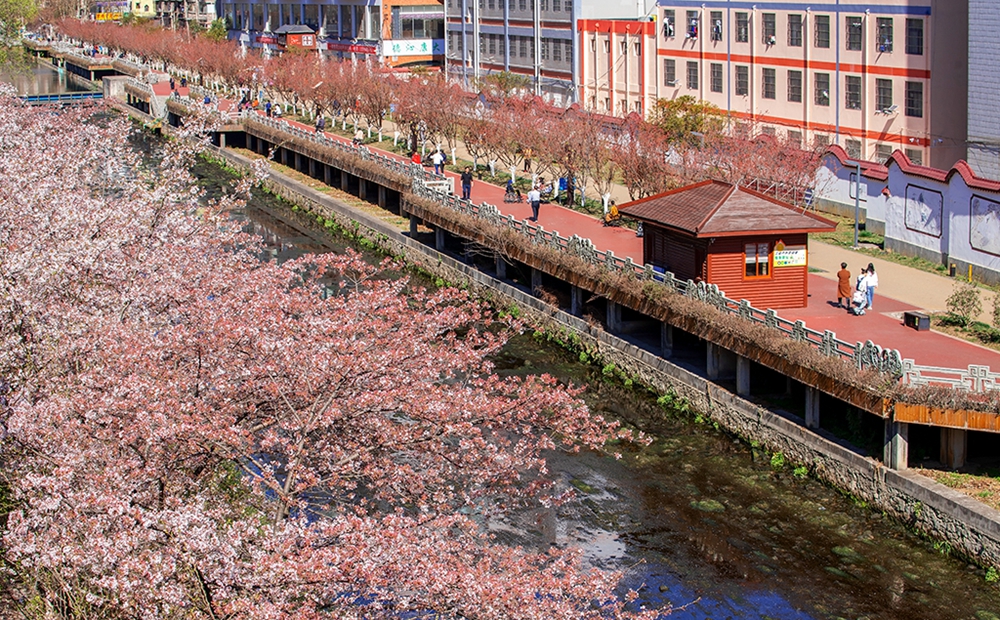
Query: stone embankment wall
x=970, y=527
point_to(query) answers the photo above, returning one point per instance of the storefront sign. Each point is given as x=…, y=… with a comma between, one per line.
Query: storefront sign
x=791, y=256
x=354, y=48
x=413, y=47
x=266, y=39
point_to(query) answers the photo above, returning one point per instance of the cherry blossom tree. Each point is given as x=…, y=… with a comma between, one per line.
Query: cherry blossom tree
x=190, y=432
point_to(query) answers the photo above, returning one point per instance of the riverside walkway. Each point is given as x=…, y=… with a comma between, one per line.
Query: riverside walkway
x=916, y=290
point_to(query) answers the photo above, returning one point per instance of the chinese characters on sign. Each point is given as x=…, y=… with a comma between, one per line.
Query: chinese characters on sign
x=414, y=47
x=791, y=256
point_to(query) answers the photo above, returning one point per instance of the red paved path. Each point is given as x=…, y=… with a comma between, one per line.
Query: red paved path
x=926, y=348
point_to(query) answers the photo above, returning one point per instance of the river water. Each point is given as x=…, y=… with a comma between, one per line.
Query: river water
x=31, y=78
x=699, y=519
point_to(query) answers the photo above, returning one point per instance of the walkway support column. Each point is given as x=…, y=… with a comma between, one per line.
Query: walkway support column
x=439, y=239
x=742, y=375
x=381, y=196
x=896, y=448
x=812, y=407
x=536, y=280
x=501, y=266
x=222, y=139
x=954, y=446
x=327, y=175
x=413, y=226
x=666, y=340
x=614, y=317
x=575, y=300
x=362, y=189
x=344, y=181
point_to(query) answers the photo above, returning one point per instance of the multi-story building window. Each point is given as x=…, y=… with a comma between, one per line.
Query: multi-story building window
x=795, y=86
x=795, y=138
x=742, y=80
x=852, y=92
x=493, y=44
x=523, y=5
x=669, y=72
x=716, y=25
x=669, y=23
x=543, y=5
x=768, y=130
x=822, y=89
x=769, y=84
x=795, y=30
x=853, y=148
x=716, y=77
x=769, y=27
x=853, y=33
x=637, y=48
x=884, y=34
x=556, y=6
x=915, y=99
x=915, y=36
x=523, y=47
x=569, y=50
x=557, y=51
x=545, y=49
x=692, y=74
x=882, y=152
x=742, y=27
x=502, y=47
x=821, y=140
x=883, y=94
x=568, y=6
x=692, y=25
x=822, y=29
x=916, y=156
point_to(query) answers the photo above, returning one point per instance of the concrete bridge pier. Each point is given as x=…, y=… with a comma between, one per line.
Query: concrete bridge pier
x=344, y=181
x=896, y=448
x=413, y=226
x=439, y=239
x=666, y=340
x=720, y=363
x=812, y=407
x=614, y=317
x=327, y=175
x=381, y=196
x=742, y=376
x=536, y=280
x=575, y=300
x=362, y=189
x=501, y=266
x=954, y=447
x=222, y=139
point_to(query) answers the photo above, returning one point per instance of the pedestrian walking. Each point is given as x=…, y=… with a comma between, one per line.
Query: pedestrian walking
x=527, y=160
x=320, y=124
x=184, y=82
x=844, y=287
x=467, y=183
x=438, y=160
x=860, y=297
x=173, y=84
x=535, y=199
x=267, y=109
x=872, y=283
x=359, y=137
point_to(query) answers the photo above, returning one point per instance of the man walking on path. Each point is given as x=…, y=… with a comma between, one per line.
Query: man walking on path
x=535, y=198
x=467, y=183
x=844, y=287
x=320, y=124
x=438, y=160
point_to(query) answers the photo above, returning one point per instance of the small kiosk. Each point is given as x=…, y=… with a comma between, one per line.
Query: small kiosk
x=296, y=35
x=750, y=245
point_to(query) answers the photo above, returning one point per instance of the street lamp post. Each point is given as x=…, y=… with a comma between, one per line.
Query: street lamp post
x=857, y=200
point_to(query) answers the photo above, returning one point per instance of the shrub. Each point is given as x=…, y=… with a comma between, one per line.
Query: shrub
x=777, y=460
x=996, y=310
x=964, y=302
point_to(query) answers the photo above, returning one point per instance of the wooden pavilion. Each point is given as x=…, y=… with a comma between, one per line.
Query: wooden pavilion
x=752, y=246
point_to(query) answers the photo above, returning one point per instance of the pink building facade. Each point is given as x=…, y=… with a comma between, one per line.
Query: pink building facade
x=872, y=77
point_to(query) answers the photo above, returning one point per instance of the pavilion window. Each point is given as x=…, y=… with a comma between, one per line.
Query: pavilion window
x=757, y=259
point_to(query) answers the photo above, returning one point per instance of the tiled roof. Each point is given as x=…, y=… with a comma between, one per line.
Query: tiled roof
x=717, y=209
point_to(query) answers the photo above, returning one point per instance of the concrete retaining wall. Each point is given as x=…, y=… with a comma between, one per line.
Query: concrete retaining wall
x=970, y=527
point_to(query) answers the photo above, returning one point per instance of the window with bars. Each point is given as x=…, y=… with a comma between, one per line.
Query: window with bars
x=669, y=24
x=716, y=77
x=557, y=51
x=915, y=99
x=822, y=28
x=822, y=89
x=853, y=148
x=884, y=42
x=522, y=45
x=742, y=27
x=769, y=87
x=502, y=46
x=692, y=81
x=795, y=86
x=493, y=44
x=543, y=5
x=916, y=156
x=523, y=5
x=742, y=80
x=852, y=92
x=757, y=258
x=556, y=6
x=716, y=25
x=545, y=49
x=883, y=94
x=568, y=50
x=915, y=36
x=769, y=27
x=795, y=138
x=821, y=140
x=692, y=25
x=491, y=4
x=853, y=33
x=768, y=130
x=882, y=152
x=795, y=30
x=669, y=72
